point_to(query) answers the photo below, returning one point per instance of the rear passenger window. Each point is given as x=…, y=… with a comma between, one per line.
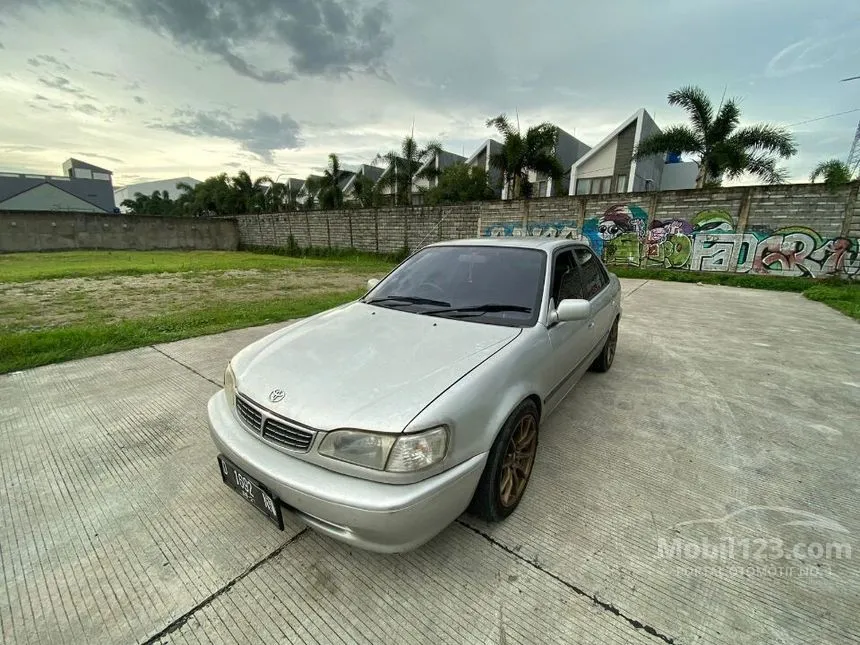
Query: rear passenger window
x=594, y=278
x=566, y=280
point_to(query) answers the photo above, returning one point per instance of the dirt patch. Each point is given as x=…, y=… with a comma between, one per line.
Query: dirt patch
x=53, y=303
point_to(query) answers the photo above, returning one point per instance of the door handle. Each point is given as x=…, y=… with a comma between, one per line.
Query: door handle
x=590, y=324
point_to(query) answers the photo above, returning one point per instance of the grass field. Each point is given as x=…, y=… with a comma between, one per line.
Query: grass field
x=25, y=267
x=61, y=306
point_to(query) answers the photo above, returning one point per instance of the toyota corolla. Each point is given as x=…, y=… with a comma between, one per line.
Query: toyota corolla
x=380, y=421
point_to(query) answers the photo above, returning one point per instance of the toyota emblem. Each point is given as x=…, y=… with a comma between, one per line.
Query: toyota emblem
x=276, y=395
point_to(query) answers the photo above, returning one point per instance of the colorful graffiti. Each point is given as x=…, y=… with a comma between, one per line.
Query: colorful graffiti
x=707, y=242
x=617, y=234
x=565, y=229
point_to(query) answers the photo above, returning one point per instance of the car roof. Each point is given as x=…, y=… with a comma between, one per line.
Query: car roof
x=546, y=244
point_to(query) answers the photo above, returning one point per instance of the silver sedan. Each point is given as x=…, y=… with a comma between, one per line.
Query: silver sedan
x=380, y=421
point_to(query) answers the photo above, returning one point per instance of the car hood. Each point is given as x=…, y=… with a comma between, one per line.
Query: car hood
x=362, y=366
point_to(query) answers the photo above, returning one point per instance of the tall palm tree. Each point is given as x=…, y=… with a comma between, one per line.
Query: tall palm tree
x=366, y=192
x=835, y=173
x=249, y=192
x=331, y=192
x=520, y=153
x=719, y=147
x=403, y=167
x=312, y=187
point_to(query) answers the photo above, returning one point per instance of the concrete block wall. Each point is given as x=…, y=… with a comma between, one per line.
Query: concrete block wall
x=798, y=229
x=22, y=231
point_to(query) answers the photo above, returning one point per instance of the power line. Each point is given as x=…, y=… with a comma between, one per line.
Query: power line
x=821, y=118
x=850, y=78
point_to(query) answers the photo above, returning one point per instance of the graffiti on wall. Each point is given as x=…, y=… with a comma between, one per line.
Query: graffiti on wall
x=618, y=233
x=565, y=229
x=709, y=241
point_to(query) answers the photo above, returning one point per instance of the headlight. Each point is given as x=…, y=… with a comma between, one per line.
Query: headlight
x=395, y=453
x=357, y=447
x=230, y=386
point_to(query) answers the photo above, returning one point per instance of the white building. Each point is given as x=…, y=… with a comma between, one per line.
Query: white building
x=609, y=167
x=122, y=193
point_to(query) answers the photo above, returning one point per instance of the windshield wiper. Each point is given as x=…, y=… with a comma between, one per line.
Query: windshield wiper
x=408, y=300
x=479, y=310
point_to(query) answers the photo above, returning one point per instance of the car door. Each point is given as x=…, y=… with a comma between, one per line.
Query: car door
x=571, y=341
x=595, y=286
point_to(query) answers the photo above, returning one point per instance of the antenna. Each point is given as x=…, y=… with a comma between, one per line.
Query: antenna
x=854, y=156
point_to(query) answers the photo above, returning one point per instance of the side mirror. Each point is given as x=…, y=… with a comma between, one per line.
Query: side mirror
x=573, y=309
x=372, y=283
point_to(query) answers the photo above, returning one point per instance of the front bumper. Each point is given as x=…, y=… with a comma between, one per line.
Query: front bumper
x=387, y=518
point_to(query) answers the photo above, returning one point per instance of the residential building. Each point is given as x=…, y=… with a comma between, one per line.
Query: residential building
x=121, y=193
x=438, y=162
x=364, y=171
x=482, y=157
x=388, y=188
x=568, y=149
x=82, y=188
x=305, y=194
x=609, y=166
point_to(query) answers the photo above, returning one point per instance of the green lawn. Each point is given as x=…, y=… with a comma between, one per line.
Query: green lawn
x=61, y=306
x=843, y=295
x=24, y=267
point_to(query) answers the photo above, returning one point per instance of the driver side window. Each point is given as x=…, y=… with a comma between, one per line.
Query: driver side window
x=566, y=279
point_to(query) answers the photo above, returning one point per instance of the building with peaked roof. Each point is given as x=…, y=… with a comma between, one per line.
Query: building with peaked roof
x=371, y=173
x=609, y=167
x=568, y=149
x=82, y=188
x=425, y=180
x=481, y=158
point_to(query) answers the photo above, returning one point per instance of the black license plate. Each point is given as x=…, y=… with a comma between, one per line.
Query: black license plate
x=251, y=491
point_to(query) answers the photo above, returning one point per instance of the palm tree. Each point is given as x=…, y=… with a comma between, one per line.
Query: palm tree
x=835, y=173
x=249, y=192
x=312, y=187
x=403, y=167
x=718, y=145
x=366, y=192
x=521, y=153
x=331, y=192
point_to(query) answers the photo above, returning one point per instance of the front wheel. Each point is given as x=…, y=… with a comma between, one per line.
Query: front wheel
x=603, y=362
x=509, y=466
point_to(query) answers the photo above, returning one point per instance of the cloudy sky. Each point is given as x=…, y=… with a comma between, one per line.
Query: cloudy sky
x=154, y=89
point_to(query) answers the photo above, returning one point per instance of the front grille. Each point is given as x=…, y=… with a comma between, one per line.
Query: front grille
x=276, y=430
x=251, y=417
x=287, y=435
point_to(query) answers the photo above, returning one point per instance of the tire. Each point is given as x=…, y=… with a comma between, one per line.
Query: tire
x=490, y=503
x=603, y=362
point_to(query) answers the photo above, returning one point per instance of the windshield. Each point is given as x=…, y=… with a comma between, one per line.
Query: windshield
x=486, y=284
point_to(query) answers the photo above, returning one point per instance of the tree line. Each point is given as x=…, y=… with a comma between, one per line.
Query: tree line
x=713, y=139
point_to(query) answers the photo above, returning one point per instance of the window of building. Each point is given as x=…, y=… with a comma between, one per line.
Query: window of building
x=594, y=185
x=621, y=184
x=541, y=189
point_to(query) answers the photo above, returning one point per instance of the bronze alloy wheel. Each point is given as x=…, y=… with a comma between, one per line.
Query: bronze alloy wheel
x=518, y=461
x=610, y=346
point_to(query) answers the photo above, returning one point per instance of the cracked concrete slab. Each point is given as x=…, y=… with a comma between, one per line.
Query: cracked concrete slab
x=730, y=415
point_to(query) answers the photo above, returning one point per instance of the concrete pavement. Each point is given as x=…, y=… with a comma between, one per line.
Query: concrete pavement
x=730, y=418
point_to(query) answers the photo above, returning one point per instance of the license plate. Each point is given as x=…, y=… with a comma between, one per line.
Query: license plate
x=251, y=491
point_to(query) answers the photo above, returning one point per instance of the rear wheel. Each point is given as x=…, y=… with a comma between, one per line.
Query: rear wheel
x=509, y=466
x=603, y=362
